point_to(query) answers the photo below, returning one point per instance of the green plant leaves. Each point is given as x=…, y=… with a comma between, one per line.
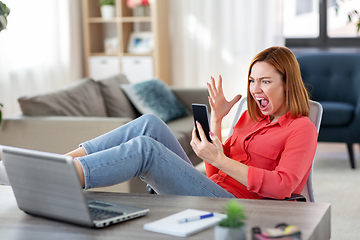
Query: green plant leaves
x=235, y=215
x=107, y=2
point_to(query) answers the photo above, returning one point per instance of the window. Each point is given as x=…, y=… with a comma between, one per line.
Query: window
x=321, y=23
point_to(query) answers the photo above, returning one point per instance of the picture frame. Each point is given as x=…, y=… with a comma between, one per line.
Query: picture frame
x=140, y=43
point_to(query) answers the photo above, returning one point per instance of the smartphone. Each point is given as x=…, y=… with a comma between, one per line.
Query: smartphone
x=200, y=112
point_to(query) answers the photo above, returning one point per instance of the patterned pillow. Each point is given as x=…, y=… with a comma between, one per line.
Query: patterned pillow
x=156, y=98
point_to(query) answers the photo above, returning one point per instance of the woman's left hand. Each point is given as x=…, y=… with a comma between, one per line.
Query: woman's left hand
x=207, y=151
x=220, y=107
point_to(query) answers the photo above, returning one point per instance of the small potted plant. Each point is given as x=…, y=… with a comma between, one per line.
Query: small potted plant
x=107, y=9
x=232, y=227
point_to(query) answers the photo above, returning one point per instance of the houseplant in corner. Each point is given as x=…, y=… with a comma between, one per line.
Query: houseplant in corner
x=4, y=12
x=232, y=227
x=352, y=15
x=107, y=9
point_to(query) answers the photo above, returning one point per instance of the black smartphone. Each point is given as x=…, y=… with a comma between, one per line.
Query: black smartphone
x=200, y=112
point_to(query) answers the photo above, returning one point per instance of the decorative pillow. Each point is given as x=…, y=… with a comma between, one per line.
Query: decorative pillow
x=155, y=97
x=116, y=103
x=81, y=98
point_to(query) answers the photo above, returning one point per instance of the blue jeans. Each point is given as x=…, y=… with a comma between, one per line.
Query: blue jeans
x=145, y=148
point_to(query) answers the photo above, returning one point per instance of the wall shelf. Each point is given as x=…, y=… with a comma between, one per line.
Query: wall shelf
x=117, y=31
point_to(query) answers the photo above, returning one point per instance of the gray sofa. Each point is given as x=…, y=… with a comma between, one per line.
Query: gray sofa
x=59, y=121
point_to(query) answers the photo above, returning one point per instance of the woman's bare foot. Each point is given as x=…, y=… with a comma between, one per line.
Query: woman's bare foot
x=79, y=152
x=80, y=172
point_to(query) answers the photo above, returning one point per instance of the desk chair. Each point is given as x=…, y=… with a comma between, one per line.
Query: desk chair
x=315, y=116
x=316, y=111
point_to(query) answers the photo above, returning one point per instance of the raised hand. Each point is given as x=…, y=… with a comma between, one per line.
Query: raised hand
x=220, y=107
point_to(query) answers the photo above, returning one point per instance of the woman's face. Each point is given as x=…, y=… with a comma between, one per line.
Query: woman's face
x=268, y=90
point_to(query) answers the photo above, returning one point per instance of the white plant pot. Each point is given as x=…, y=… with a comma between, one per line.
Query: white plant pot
x=107, y=12
x=224, y=233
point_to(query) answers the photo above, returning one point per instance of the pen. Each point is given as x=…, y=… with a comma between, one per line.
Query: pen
x=195, y=218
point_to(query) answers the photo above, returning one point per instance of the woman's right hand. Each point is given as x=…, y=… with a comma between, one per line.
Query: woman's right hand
x=220, y=107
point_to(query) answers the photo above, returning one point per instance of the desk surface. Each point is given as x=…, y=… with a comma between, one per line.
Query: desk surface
x=313, y=219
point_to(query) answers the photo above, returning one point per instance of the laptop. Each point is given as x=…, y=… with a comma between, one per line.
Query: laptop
x=47, y=185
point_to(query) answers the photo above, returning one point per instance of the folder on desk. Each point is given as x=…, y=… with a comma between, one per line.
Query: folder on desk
x=170, y=225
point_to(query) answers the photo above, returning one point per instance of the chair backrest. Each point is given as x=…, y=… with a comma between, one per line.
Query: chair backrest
x=315, y=116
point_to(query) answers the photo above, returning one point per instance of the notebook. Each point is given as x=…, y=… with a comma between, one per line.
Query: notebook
x=47, y=185
x=170, y=225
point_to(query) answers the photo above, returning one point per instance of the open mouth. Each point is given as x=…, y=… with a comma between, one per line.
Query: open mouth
x=263, y=103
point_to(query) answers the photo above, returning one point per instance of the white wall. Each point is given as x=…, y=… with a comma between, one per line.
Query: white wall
x=220, y=37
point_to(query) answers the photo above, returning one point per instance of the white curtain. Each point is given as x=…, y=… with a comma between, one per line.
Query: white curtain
x=220, y=37
x=41, y=49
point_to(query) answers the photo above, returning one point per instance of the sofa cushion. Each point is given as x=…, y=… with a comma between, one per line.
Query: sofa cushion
x=337, y=113
x=116, y=103
x=156, y=98
x=81, y=98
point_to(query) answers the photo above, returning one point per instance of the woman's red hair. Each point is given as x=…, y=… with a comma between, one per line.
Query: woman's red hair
x=297, y=98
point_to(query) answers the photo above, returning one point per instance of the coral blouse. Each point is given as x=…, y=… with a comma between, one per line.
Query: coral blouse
x=279, y=156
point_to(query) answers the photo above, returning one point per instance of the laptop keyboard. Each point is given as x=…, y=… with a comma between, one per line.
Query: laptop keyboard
x=100, y=214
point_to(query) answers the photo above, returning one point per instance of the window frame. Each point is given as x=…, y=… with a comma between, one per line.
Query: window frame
x=323, y=40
